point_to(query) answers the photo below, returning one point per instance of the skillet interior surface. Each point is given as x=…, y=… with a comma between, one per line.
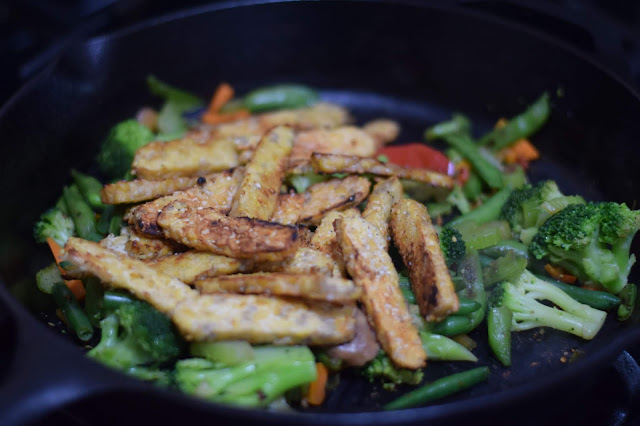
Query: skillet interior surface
x=412, y=63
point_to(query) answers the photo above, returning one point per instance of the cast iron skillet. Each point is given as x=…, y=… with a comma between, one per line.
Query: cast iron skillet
x=413, y=62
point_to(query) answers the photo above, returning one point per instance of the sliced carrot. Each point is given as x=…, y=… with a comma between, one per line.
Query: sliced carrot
x=463, y=170
x=317, y=388
x=521, y=152
x=559, y=274
x=76, y=286
x=501, y=123
x=215, y=118
x=222, y=95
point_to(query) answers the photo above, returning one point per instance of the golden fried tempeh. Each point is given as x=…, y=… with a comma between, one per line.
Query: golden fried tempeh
x=215, y=193
x=308, y=286
x=263, y=319
x=418, y=243
x=258, y=193
x=383, y=130
x=333, y=163
x=189, y=265
x=348, y=140
x=137, y=190
x=384, y=195
x=288, y=209
x=305, y=260
x=372, y=269
x=139, y=246
x=184, y=157
x=120, y=271
x=335, y=194
x=325, y=240
x=239, y=237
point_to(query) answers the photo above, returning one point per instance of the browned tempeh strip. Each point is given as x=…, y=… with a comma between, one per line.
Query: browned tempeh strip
x=325, y=240
x=336, y=194
x=348, y=140
x=263, y=319
x=120, y=271
x=189, y=265
x=372, y=269
x=308, y=286
x=215, y=193
x=384, y=195
x=258, y=193
x=383, y=130
x=137, y=190
x=418, y=243
x=184, y=157
x=332, y=163
x=139, y=246
x=288, y=209
x=209, y=230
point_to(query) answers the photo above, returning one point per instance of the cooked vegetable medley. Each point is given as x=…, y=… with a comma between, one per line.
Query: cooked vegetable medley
x=249, y=255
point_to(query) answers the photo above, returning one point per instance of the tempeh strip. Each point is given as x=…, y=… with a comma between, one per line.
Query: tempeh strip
x=262, y=319
x=120, y=271
x=325, y=240
x=184, y=157
x=348, y=140
x=372, y=269
x=309, y=286
x=384, y=195
x=137, y=190
x=258, y=193
x=288, y=209
x=419, y=246
x=216, y=193
x=239, y=237
x=189, y=265
x=304, y=261
x=332, y=163
x=336, y=194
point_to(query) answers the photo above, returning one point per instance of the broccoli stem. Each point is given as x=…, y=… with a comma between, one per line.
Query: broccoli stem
x=227, y=353
x=499, y=328
x=76, y=319
x=505, y=247
x=440, y=388
x=488, y=211
x=90, y=188
x=487, y=171
x=83, y=217
x=627, y=302
x=504, y=268
x=600, y=300
x=441, y=348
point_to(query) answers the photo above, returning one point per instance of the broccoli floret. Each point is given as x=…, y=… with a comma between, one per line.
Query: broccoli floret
x=591, y=241
x=54, y=224
x=136, y=334
x=118, y=150
x=381, y=368
x=253, y=383
x=452, y=245
x=523, y=295
x=529, y=207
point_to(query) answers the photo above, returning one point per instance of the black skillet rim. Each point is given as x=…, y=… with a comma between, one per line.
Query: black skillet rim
x=493, y=400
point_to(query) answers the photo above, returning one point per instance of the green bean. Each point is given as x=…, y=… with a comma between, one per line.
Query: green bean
x=458, y=124
x=452, y=325
x=439, y=209
x=470, y=270
x=504, y=247
x=94, y=300
x=596, y=299
x=505, y=268
x=441, y=348
x=83, y=217
x=485, y=260
x=90, y=188
x=280, y=97
x=105, y=218
x=487, y=171
x=114, y=299
x=472, y=188
x=488, y=211
x=467, y=306
x=521, y=126
x=627, y=301
x=440, y=388
x=483, y=235
x=515, y=178
x=115, y=224
x=409, y=297
x=76, y=319
x=499, y=329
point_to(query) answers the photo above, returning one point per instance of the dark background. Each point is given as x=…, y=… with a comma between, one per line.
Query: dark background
x=34, y=32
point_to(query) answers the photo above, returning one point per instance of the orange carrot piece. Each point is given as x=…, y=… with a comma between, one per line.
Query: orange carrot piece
x=222, y=95
x=76, y=286
x=463, y=170
x=317, y=388
x=215, y=118
x=559, y=274
x=521, y=152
